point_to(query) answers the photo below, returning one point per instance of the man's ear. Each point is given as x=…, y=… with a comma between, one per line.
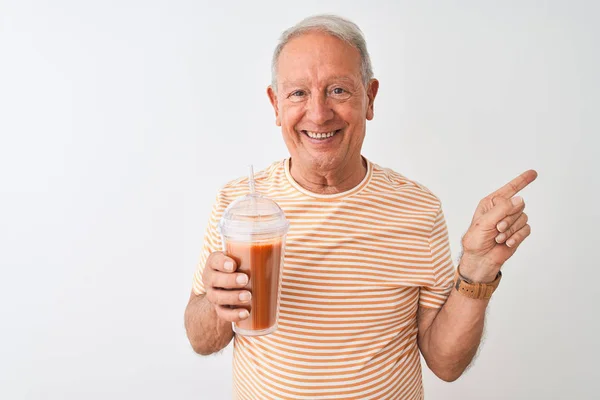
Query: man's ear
x=273, y=99
x=371, y=93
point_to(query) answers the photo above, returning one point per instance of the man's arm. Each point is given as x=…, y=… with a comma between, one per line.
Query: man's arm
x=449, y=338
x=206, y=332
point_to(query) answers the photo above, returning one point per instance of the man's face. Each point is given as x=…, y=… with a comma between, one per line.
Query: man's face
x=321, y=102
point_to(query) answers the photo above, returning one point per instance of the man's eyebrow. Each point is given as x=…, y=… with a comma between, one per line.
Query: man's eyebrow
x=339, y=78
x=293, y=83
x=343, y=78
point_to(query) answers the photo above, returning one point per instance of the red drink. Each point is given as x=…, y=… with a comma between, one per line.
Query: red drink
x=262, y=262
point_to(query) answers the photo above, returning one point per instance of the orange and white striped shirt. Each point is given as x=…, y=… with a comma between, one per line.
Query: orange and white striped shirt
x=357, y=266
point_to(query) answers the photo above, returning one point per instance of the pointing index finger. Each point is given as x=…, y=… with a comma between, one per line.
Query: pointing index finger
x=516, y=185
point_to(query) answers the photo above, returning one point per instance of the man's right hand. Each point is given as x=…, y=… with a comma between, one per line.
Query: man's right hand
x=225, y=288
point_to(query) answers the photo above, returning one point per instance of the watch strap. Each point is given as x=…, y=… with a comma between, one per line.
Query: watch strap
x=475, y=290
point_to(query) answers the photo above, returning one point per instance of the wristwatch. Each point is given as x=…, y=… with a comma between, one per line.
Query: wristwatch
x=474, y=290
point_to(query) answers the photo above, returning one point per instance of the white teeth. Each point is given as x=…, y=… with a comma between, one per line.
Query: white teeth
x=318, y=135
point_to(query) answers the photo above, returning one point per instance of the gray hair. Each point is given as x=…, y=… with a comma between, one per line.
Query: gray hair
x=336, y=26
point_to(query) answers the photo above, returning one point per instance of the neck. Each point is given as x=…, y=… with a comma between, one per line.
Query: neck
x=344, y=178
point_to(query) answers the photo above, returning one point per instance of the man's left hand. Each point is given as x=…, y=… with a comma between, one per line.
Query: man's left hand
x=499, y=226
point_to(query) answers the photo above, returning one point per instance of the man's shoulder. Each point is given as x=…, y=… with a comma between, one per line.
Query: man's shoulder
x=391, y=182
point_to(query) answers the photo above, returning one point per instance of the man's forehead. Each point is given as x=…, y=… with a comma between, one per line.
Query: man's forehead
x=318, y=56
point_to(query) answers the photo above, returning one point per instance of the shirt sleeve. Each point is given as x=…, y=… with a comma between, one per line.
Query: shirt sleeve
x=212, y=242
x=443, y=268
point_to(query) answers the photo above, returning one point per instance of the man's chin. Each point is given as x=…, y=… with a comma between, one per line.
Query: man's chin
x=324, y=161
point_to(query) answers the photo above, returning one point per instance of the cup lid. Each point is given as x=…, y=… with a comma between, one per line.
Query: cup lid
x=253, y=215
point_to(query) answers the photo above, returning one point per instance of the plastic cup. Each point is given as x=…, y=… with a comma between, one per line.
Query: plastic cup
x=253, y=230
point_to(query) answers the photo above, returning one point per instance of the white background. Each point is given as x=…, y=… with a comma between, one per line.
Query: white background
x=119, y=121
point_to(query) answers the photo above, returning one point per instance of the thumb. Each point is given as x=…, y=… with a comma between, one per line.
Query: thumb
x=502, y=208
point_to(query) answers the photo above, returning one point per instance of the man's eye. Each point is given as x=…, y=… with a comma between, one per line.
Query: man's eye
x=297, y=93
x=340, y=93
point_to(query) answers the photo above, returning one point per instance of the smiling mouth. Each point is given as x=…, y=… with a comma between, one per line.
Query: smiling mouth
x=321, y=135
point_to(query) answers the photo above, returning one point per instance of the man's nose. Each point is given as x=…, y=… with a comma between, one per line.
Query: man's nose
x=318, y=110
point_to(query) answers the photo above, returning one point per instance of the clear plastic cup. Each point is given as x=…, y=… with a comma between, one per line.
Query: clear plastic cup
x=253, y=229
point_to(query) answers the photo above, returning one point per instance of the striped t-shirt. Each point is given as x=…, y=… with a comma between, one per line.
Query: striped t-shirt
x=357, y=266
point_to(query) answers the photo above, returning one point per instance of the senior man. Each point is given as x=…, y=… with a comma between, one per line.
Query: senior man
x=368, y=280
